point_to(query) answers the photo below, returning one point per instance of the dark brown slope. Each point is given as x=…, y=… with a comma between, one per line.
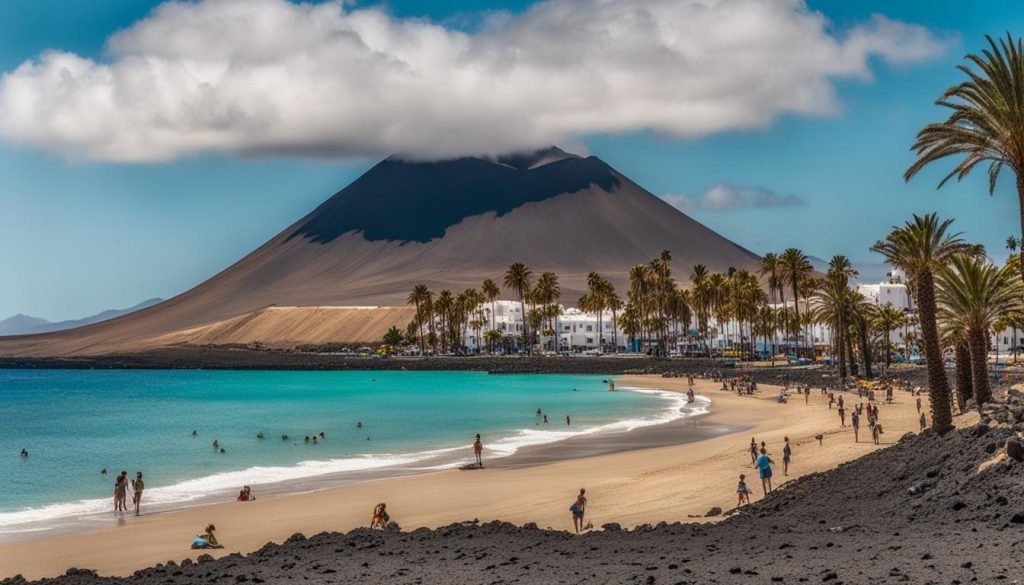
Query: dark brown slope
x=448, y=224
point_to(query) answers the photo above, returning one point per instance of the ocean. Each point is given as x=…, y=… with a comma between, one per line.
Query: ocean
x=75, y=423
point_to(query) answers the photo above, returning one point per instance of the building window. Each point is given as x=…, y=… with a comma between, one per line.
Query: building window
x=590, y=329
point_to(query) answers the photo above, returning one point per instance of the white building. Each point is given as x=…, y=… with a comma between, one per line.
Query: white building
x=576, y=330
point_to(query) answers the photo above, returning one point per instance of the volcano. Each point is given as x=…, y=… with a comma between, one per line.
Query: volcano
x=448, y=224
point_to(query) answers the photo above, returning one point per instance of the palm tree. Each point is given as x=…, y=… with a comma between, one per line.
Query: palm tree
x=986, y=123
x=444, y=306
x=770, y=268
x=420, y=297
x=490, y=291
x=517, y=279
x=921, y=247
x=887, y=319
x=546, y=293
x=975, y=294
x=700, y=297
x=614, y=304
x=596, y=288
x=795, y=267
x=833, y=307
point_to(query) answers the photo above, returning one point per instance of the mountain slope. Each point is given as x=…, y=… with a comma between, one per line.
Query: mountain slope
x=448, y=224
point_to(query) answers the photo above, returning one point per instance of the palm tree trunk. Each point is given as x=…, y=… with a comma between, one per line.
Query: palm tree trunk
x=979, y=368
x=851, y=360
x=938, y=385
x=888, y=348
x=964, y=383
x=865, y=348
x=1020, y=200
x=841, y=351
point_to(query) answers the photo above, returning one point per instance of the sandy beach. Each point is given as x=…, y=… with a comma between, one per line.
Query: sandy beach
x=644, y=486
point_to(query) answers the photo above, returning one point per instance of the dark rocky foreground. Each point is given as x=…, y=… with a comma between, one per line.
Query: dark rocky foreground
x=918, y=512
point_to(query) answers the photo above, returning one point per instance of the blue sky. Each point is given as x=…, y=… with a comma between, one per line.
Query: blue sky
x=79, y=235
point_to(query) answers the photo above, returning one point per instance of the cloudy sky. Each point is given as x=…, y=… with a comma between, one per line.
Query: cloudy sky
x=144, y=145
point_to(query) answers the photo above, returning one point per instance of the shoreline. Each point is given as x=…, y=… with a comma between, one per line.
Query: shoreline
x=602, y=439
x=635, y=487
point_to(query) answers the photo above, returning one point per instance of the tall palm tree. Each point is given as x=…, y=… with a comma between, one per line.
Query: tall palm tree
x=444, y=306
x=639, y=295
x=887, y=319
x=420, y=297
x=614, y=304
x=547, y=292
x=700, y=297
x=598, y=300
x=517, y=279
x=490, y=291
x=770, y=268
x=795, y=268
x=986, y=124
x=975, y=294
x=921, y=247
x=833, y=303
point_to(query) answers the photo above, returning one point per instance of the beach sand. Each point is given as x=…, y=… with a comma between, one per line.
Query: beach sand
x=675, y=483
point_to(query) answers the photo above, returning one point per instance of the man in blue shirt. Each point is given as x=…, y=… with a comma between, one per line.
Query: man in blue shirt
x=764, y=466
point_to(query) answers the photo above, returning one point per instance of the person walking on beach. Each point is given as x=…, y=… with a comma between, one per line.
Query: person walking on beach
x=478, y=449
x=807, y=396
x=578, y=508
x=753, y=451
x=919, y=405
x=842, y=416
x=855, y=420
x=764, y=466
x=742, y=491
x=923, y=421
x=876, y=432
x=138, y=486
x=787, y=455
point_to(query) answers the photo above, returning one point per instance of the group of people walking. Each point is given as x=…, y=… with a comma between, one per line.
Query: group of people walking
x=122, y=486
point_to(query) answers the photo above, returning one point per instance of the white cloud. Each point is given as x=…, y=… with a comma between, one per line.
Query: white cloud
x=272, y=77
x=727, y=197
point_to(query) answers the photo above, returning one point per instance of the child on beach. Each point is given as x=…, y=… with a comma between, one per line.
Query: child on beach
x=753, y=451
x=478, y=449
x=742, y=491
x=578, y=508
x=855, y=419
x=380, y=517
x=207, y=539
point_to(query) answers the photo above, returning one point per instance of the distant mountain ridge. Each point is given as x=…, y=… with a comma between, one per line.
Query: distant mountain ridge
x=27, y=325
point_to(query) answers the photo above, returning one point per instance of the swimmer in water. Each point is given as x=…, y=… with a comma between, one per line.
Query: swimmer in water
x=321, y=434
x=103, y=471
x=359, y=425
x=538, y=412
x=222, y=450
x=216, y=443
x=259, y=436
x=545, y=419
x=306, y=440
x=284, y=437
x=194, y=433
x=24, y=454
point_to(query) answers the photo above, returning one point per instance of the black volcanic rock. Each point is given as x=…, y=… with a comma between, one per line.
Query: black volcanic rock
x=417, y=201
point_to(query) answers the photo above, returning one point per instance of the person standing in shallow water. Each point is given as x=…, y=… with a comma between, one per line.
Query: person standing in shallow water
x=478, y=450
x=138, y=485
x=578, y=509
x=764, y=466
x=568, y=421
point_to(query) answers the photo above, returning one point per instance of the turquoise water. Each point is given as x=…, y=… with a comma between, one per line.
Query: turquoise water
x=76, y=422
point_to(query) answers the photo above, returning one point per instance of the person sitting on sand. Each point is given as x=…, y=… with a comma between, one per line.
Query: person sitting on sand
x=578, y=508
x=478, y=449
x=138, y=486
x=742, y=491
x=764, y=466
x=380, y=518
x=207, y=539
